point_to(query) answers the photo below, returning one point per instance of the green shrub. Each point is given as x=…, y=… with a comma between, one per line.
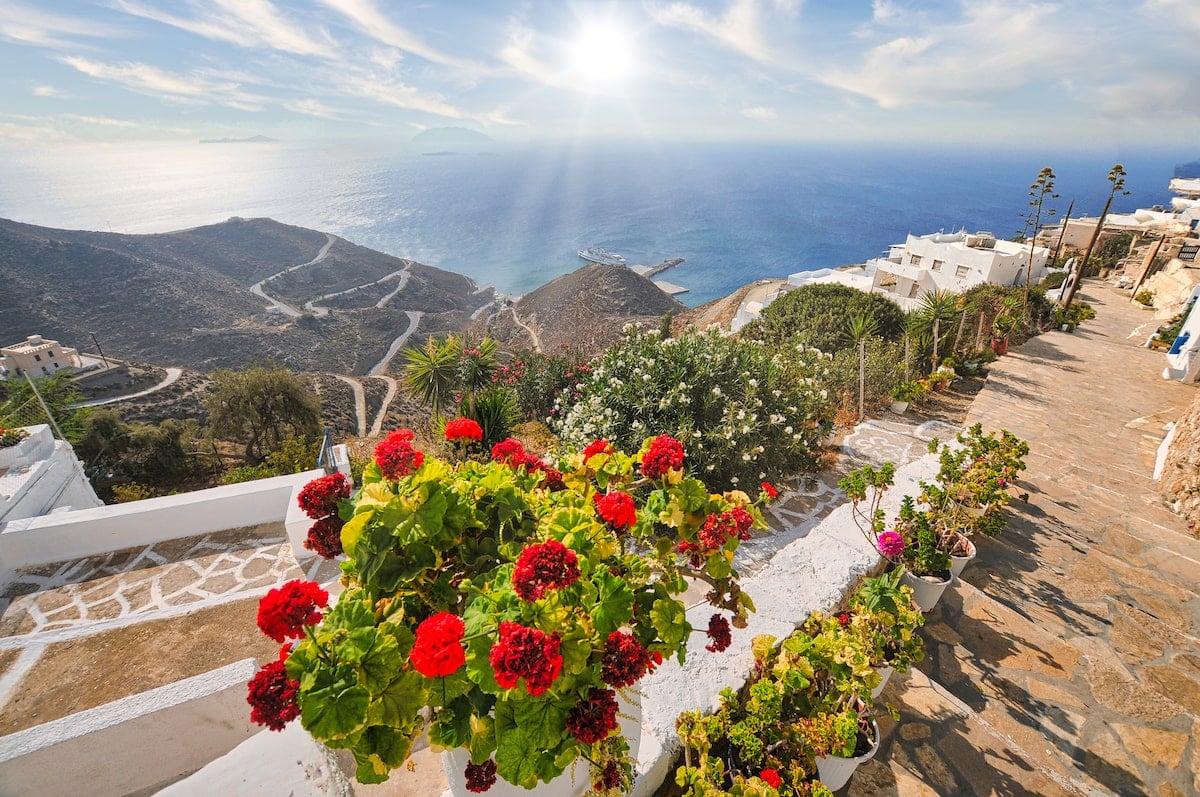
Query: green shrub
x=818, y=316
x=539, y=378
x=885, y=370
x=1145, y=297
x=744, y=411
x=247, y=473
x=1054, y=280
x=495, y=411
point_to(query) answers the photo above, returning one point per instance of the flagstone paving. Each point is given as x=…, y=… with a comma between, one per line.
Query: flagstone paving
x=1068, y=660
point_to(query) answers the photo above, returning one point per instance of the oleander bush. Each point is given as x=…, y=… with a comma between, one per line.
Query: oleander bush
x=746, y=411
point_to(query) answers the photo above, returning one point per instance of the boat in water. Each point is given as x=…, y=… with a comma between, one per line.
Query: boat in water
x=601, y=256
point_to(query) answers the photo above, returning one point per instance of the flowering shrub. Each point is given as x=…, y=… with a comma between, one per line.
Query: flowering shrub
x=746, y=411
x=319, y=499
x=499, y=606
x=539, y=379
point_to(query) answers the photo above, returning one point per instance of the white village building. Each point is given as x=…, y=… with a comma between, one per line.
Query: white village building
x=938, y=262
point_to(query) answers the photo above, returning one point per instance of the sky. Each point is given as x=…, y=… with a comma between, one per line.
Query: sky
x=1089, y=74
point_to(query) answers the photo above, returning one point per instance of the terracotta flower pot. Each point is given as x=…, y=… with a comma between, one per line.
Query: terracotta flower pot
x=1000, y=346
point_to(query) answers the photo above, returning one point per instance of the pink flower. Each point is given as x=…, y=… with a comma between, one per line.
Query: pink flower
x=891, y=544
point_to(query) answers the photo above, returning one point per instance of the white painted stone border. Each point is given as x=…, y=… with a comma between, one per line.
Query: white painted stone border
x=134, y=743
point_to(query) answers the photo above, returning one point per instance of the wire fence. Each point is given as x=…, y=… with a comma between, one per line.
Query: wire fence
x=28, y=413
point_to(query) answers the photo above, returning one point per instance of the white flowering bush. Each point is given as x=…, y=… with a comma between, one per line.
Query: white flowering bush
x=746, y=412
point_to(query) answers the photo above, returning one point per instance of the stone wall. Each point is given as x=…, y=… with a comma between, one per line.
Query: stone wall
x=1180, y=482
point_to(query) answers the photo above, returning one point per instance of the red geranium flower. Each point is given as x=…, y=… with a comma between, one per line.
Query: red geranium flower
x=665, y=454
x=544, y=566
x=527, y=653
x=284, y=611
x=396, y=456
x=718, y=631
x=771, y=778
x=772, y=493
x=481, y=777
x=610, y=777
x=272, y=695
x=509, y=452
x=319, y=498
x=325, y=537
x=625, y=660
x=593, y=719
x=595, y=447
x=438, y=649
x=463, y=430
x=616, y=509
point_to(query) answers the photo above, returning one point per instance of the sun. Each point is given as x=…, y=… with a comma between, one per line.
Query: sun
x=601, y=58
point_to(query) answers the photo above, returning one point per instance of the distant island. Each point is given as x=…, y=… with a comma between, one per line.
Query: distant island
x=249, y=140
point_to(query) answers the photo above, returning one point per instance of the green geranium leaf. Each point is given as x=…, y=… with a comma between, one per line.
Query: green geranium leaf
x=576, y=648
x=692, y=495
x=451, y=727
x=717, y=565
x=387, y=746
x=381, y=662
x=354, y=529
x=399, y=702
x=335, y=706
x=614, y=607
x=572, y=526
x=351, y=612
x=369, y=770
x=670, y=621
x=527, y=743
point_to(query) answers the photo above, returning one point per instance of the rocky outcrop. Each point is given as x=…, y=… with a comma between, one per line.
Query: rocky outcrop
x=1180, y=483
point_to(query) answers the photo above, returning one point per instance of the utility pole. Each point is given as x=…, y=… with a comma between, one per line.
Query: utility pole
x=102, y=357
x=1116, y=176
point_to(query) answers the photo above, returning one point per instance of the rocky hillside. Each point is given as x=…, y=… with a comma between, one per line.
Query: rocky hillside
x=183, y=298
x=585, y=309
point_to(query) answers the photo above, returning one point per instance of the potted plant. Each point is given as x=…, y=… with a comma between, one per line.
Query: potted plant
x=501, y=607
x=904, y=394
x=883, y=613
x=925, y=556
x=803, y=711
x=1002, y=327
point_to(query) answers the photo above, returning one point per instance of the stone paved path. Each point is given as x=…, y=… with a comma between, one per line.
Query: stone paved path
x=1068, y=661
x=147, y=582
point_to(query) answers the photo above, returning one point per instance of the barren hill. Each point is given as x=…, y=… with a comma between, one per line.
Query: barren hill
x=183, y=298
x=585, y=309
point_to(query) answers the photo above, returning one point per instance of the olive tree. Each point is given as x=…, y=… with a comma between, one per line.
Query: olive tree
x=261, y=407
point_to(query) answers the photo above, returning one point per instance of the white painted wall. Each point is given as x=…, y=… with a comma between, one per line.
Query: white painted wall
x=134, y=743
x=72, y=535
x=41, y=474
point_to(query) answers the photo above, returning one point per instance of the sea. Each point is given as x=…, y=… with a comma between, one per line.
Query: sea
x=515, y=216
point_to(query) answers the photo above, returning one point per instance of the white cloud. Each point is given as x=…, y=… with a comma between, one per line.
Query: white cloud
x=27, y=25
x=517, y=53
x=311, y=107
x=372, y=21
x=46, y=90
x=246, y=23
x=148, y=79
x=993, y=49
x=740, y=28
x=760, y=112
x=400, y=95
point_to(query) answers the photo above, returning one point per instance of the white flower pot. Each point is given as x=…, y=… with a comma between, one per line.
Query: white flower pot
x=885, y=673
x=835, y=771
x=899, y=407
x=927, y=590
x=573, y=782
x=957, y=563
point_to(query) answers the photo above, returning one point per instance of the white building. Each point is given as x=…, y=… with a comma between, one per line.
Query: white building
x=937, y=262
x=952, y=262
x=38, y=357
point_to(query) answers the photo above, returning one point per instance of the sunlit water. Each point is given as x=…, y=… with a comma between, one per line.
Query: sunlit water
x=516, y=217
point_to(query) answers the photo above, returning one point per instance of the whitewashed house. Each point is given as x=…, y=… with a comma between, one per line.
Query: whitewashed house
x=952, y=262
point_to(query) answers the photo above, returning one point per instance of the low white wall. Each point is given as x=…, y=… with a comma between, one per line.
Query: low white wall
x=132, y=744
x=62, y=536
